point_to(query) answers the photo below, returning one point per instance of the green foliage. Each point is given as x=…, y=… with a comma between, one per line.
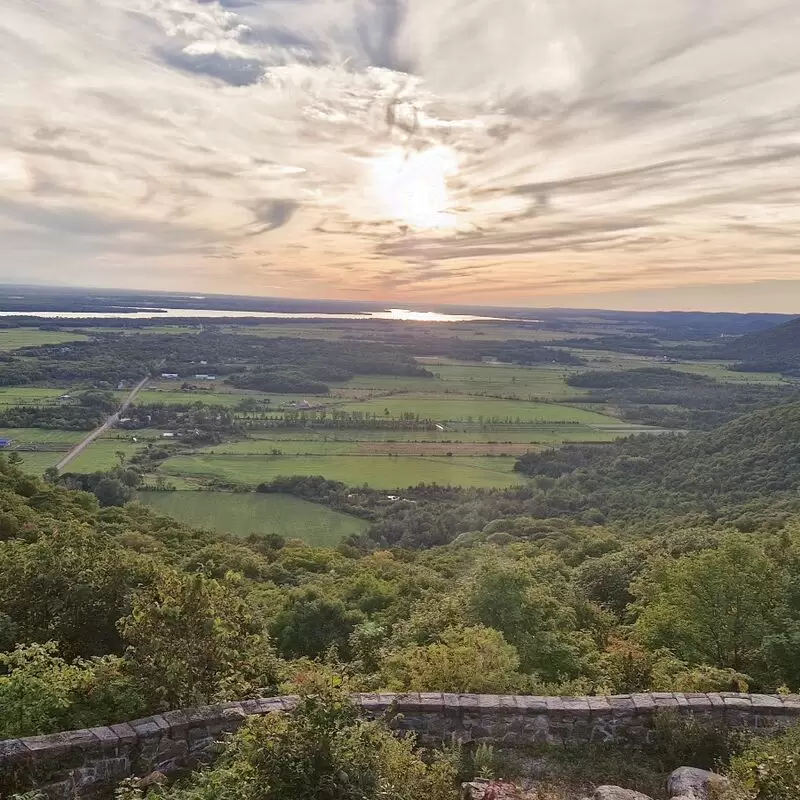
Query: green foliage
x=474, y=659
x=769, y=769
x=311, y=624
x=687, y=741
x=194, y=640
x=715, y=607
x=42, y=693
x=70, y=586
x=323, y=750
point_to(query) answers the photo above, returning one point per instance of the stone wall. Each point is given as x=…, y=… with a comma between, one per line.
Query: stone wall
x=88, y=763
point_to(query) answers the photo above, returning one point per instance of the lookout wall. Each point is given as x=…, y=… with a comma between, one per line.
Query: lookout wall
x=89, y=763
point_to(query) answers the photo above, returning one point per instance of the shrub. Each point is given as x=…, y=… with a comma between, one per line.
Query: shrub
x=769, y=769
x=323, y=750
x=43, y=693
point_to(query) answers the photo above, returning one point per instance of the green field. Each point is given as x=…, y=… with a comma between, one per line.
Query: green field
x=524, y=383
x=13, y=338
x=380, y=472
x=242, y=514
x=37, y=463
x=41, y=436
x=465, y=407
x=720, y=371
x=20, y=395
x=219, y=396
x=101, y=455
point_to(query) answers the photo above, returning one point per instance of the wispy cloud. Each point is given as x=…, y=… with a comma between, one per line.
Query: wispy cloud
x=542, y=146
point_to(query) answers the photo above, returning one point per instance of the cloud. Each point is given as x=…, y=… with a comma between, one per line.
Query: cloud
x=251, y=144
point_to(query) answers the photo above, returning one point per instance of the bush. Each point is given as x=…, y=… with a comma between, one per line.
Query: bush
x=693, y=742
x=323, y=750
x=769, y=769
x=42, y=693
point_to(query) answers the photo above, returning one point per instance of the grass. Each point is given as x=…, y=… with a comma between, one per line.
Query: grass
x=465, y=407
x=241, y=514
x=101, y=455
x=42, y=436
x=37, y=463
x=720, y=371
x=381, y=472
x=13, y=338
x=171, y=395
x=524, y=383
x=20, y=395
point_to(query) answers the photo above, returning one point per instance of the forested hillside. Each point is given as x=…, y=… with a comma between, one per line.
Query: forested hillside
x=774, y=350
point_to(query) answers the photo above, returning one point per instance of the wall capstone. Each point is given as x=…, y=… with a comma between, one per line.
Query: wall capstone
x=89, y=763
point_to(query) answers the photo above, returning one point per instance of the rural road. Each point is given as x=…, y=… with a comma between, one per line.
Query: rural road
x=109, y=423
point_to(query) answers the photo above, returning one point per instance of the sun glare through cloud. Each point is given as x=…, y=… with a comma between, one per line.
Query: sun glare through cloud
x=412, y=187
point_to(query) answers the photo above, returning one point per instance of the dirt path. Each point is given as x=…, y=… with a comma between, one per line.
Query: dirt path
x=109, y=423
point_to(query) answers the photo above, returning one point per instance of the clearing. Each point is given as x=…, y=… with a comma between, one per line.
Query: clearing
x=242, y=514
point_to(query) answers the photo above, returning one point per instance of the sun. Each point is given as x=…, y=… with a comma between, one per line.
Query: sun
x=411, y=186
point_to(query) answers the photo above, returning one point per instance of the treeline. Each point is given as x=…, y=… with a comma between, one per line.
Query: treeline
x=248, y=360
x=81, y=413
x=671, y=398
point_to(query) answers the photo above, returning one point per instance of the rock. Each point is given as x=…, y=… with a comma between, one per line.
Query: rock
x=618, y=793
x=152, y=779
x=484, y=789
x=689, y=783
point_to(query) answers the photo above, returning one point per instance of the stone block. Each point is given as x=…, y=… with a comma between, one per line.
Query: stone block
x=576, y=707
x=470, y=703
x=599, y=707
x=106, y=737
x=644, y=702
x=452, y=704
x=251, y=707
x=532, y=705
x=149, y=727
x=43, y=748
x=622, y=705
x=126, y=734
x=431, y=702
x=408, y=701
x=12, y=751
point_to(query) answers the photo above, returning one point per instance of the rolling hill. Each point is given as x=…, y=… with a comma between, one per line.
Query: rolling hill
x=774, y=350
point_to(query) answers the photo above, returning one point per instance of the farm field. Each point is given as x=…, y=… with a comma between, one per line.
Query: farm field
x=20, y=395
x=525, y=383
x=13, y=338
x=242, y=514
x=720, y=371
x=37, y=462
x=380, y=472
x=220, y=395
x=41, y=436
x=102, y=455
x=263, y=447
x=465, y=407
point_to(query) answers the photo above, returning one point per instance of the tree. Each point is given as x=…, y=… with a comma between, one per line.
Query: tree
x=474, y=659
x=42, y=693
x=112, y=492
x=312, y=623
x=323, y=750
x=70, y=586
x=715, y=607
x=194, y=640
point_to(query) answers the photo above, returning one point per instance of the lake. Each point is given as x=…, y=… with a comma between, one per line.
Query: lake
x=392, y=314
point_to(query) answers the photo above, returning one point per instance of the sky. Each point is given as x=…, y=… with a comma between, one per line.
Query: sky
x=595, y=153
